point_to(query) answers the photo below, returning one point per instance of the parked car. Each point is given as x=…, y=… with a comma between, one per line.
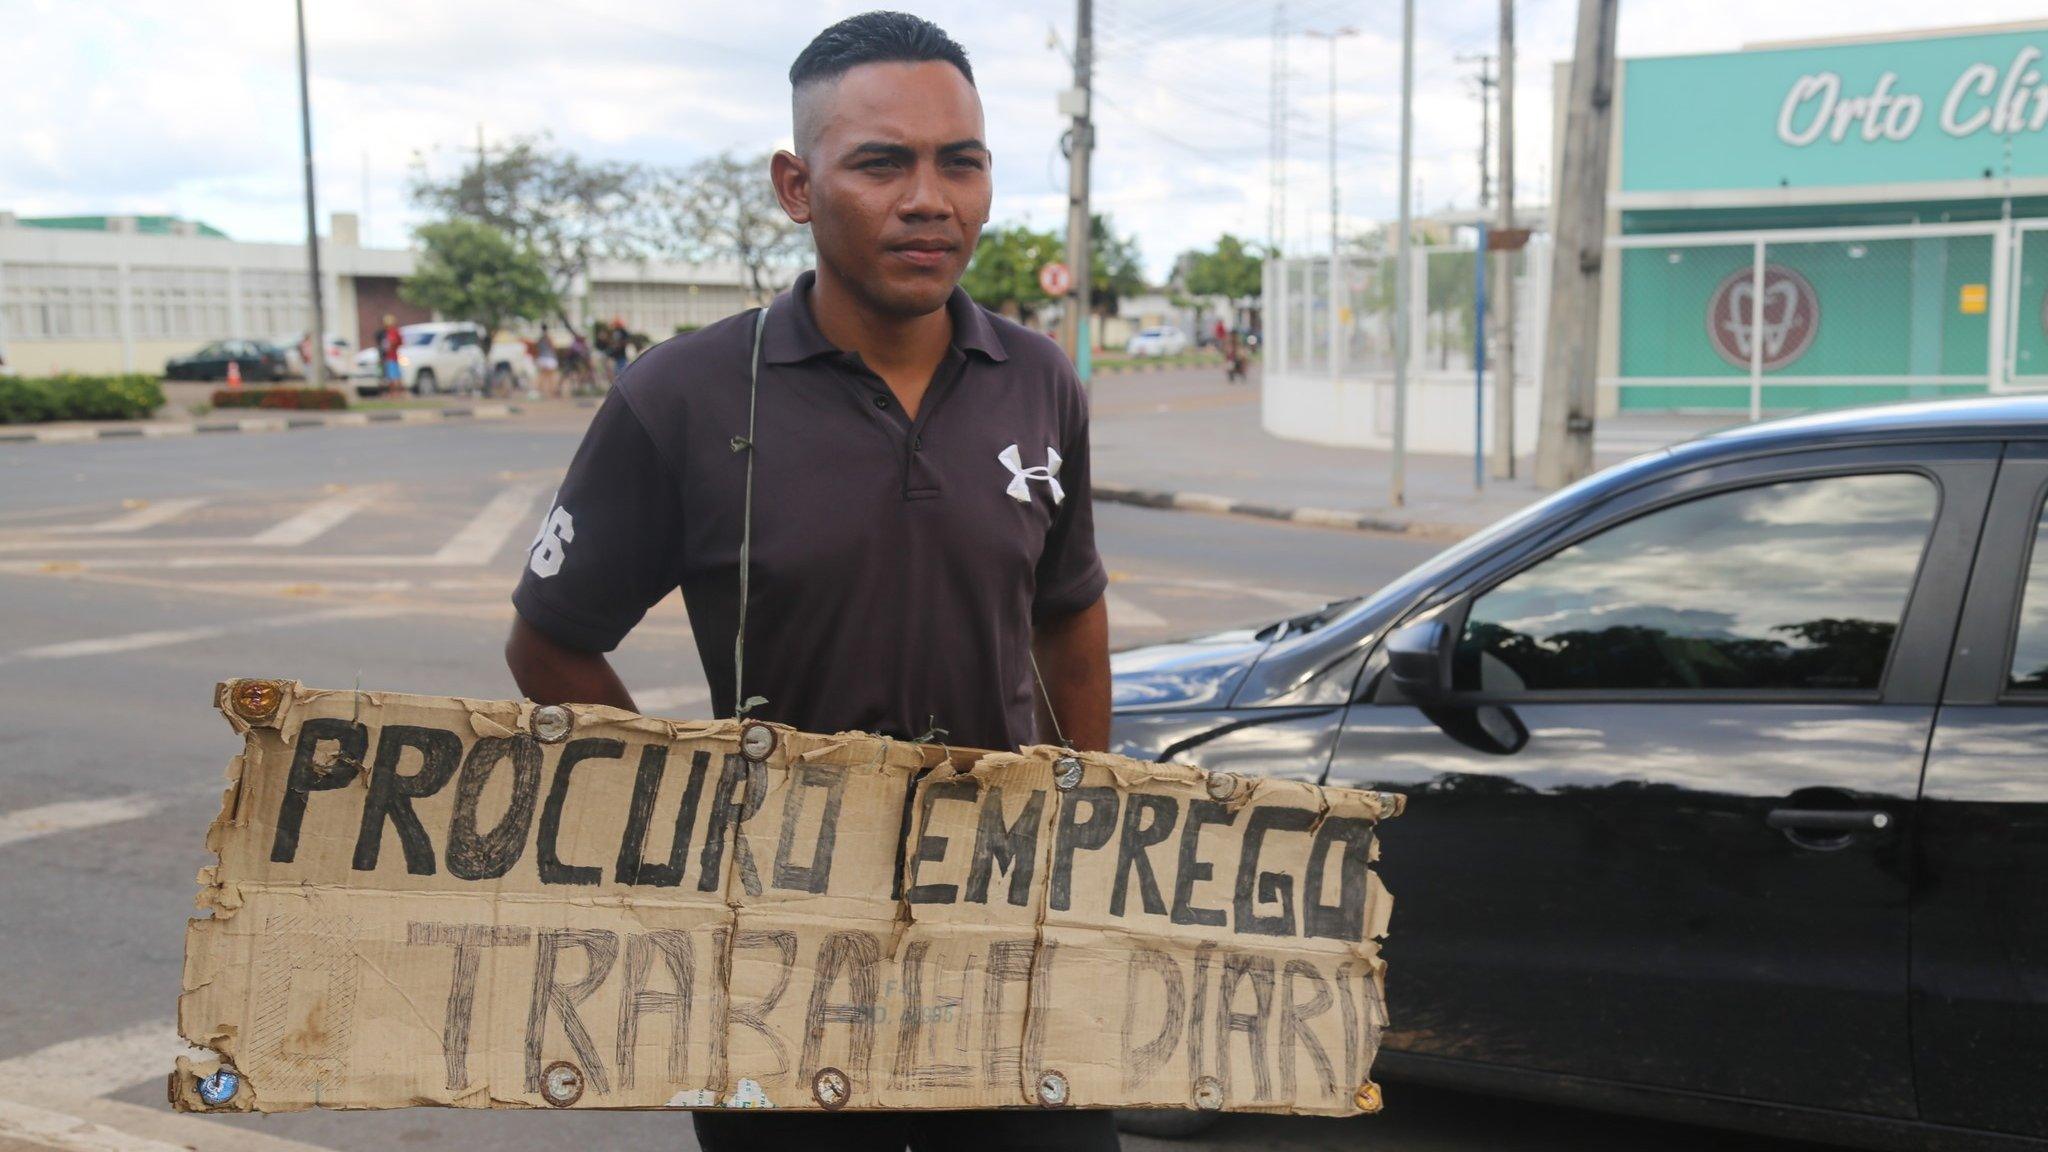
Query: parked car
x=1727, y=774
x=341, y=355
x=1166, y=341
x=258, y=360
x=446, y=356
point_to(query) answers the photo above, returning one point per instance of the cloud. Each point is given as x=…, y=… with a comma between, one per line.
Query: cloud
x=193, y=108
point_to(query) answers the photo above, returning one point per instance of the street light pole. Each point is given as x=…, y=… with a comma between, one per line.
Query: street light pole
x=316, y=359
x=1403, y=298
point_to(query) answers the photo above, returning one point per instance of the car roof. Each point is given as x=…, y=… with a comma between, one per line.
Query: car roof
x=439, y=326
x=1974, y=418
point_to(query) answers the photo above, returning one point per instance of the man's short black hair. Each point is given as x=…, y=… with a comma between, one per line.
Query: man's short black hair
x=876, y=38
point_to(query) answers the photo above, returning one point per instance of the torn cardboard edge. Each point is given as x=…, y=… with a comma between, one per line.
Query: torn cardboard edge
x=439, y=901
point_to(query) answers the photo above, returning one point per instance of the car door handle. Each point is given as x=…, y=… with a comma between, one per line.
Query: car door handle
x=1836, y=820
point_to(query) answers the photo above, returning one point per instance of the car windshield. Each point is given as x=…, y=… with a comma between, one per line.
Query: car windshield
x=1433, y=571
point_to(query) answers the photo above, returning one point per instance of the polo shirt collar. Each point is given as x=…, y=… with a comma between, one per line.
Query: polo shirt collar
x=792, y=335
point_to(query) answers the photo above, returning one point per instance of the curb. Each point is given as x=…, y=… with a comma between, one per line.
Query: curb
x=1124, y=368
x=153, y=431
x=1200, y=502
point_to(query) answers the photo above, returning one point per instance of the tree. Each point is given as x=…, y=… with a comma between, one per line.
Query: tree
x=1232, y=269
x=724, y=208
x=1004, y=273
x=1115, y=269
x=568, y=211
x=472, y=271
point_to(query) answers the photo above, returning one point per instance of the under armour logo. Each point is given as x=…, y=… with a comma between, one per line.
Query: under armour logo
x=1021, y=477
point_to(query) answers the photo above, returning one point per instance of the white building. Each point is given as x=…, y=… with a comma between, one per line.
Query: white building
x=104, y=294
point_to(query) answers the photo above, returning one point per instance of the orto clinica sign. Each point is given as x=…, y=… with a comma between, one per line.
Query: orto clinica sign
x=1984, y=98
x=1906, y=110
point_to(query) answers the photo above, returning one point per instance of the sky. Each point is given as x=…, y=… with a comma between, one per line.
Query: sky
x=191, y=107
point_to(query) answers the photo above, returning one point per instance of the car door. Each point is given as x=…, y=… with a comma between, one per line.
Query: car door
x=1660, y=813
x=1980, y=909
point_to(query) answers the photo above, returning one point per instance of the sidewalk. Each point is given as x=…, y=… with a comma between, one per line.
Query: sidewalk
x=1186, y=440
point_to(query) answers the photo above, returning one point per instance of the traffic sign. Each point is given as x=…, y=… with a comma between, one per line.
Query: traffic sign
x=1055, y=279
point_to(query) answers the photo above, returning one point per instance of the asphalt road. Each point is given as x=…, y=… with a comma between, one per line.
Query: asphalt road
x=135, y=574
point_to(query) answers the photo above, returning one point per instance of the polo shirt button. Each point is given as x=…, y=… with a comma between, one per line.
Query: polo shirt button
x=917, y=444
x=881, y=401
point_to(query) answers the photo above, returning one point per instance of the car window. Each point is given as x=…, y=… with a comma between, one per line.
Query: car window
x=420, y=339
x=1797, y=585
x=462, y=339
x=2029, y=671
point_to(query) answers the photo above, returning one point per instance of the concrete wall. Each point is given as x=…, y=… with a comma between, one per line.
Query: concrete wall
x=1358, y=412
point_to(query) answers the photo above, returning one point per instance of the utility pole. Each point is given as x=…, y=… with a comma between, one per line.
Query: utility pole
x=1504, y=278
x=1404, y=299
x=1564, y=435
x=1485, y=82
x=1276, y=128
x=1337, y=310
x=1078, y=102
x=316, y=362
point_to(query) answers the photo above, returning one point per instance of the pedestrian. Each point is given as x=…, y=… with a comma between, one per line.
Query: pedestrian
x=548, y=364
x=921, y=534
x=1218, y=333
x=389, y=343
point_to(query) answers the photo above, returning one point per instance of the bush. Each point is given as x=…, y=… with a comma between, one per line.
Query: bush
x=33, y=400
x=296, y=399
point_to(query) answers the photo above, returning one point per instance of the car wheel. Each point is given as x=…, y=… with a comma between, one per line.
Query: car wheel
x=1165, y=1123
x=501, y=380
x=424, y=384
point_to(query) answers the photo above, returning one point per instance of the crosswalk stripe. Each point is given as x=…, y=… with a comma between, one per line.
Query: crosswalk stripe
x=1125, y=614
x=137, y=641
x=148, y=515
x=70, y=816
x=315, y=521
x=480, y=539
x=657, y=700
x=46, y=1128
x=98, y=1065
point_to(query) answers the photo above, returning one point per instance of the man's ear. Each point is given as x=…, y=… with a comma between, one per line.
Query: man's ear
x=792, y=180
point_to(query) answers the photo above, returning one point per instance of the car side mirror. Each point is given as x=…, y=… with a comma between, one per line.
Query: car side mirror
x=1418, y=660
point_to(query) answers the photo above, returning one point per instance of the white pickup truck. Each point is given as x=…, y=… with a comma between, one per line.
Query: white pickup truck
x=447, y=356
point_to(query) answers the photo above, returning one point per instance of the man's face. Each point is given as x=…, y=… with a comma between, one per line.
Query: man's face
x=893, y=180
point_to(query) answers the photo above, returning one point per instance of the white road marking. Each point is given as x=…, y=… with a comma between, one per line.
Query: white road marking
x=71, y=816
x=480, y=539
x=99, y=1065
x=317, y=520
x=51, y=1129
x=136, y=641
x=105, y=645
x=1285, y=597
x=148, y=515
x=1124, y=614
x=654, y=701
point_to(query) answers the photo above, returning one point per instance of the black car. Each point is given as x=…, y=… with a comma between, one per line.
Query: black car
x=259, y=361
x=1727, y=774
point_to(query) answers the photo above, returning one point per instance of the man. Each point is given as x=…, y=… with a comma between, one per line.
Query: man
x=389, y=341
x=921, y=517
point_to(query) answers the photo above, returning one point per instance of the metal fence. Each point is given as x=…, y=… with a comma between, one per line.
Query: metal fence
x=1794, y=319
x=1337, y=319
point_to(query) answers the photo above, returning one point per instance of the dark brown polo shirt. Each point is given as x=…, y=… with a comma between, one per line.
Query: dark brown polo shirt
x=898, y=565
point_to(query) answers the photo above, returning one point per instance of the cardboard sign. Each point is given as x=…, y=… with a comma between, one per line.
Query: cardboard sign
x=435, y=901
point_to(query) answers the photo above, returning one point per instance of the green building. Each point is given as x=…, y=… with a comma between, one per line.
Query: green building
x=1820, y=223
